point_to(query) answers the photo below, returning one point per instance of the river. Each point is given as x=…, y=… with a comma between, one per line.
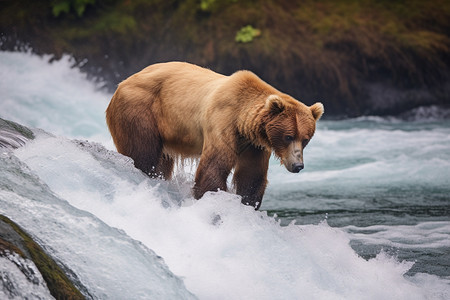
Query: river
x=368, y=217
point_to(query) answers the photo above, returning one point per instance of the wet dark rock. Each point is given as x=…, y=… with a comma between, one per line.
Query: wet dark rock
x=13, y=135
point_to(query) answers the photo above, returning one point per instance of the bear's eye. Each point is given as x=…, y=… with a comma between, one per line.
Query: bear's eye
x=305, y=142
x=289, y=138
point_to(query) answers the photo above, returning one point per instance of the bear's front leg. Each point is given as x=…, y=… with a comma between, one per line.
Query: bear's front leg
x=250, y=176
x=212, y=172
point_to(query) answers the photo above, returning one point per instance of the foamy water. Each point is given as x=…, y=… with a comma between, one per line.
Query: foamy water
x=52, y=96
x=358, y=175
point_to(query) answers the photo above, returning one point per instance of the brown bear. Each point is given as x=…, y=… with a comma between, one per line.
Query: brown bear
x=179, y=110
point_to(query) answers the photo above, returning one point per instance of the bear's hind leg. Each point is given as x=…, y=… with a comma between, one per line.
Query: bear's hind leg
x=146, y=157
x=136, y=137
x=250, y=176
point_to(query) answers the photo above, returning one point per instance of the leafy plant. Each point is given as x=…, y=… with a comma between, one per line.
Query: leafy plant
x=210, y=5
x=65, y=6
x=246, y=34
x=206, y=5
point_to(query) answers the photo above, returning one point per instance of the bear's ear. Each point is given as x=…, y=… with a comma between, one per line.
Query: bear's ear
x=274, y=104
x=317, y=110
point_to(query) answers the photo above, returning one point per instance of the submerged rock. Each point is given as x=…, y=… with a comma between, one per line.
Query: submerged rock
x=13, y=135
x=26, y=270
x=83, y=257
x=16, y=284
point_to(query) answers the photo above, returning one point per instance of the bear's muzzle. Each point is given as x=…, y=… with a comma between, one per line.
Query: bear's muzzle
x=294, y=160
x=297, y=167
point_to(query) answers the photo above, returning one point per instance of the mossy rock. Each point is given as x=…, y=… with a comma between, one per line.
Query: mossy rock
x=16, y=240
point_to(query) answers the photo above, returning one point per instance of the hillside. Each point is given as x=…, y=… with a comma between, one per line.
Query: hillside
x=357, y=57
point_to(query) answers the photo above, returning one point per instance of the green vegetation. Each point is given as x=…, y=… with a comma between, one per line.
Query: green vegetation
x=246, y=34
x=57, y=282
x=65, y=6
x=210, y=5
x=206, y=5
x=312, y=49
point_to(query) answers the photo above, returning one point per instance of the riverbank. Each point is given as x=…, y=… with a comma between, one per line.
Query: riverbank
x=357, y=57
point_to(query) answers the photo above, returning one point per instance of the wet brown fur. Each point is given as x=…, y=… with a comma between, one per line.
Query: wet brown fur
x=177, y=109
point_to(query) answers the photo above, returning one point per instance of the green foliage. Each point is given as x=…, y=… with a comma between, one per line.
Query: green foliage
x=115, y=22
x=209, y=5
x=206, y=5
x=65, y=6
x=246, y=34
x=339, y=45
x=58, y=283
x=60, y=7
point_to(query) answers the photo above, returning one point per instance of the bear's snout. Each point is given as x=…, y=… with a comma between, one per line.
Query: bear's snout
x=297, y=167
x=293, y=161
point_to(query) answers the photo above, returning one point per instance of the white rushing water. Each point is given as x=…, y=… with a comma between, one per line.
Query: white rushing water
x=125, y=236
x=22, y=279
x=51, y=96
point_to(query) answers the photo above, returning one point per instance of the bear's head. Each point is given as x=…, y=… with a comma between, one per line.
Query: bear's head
x=289, y=128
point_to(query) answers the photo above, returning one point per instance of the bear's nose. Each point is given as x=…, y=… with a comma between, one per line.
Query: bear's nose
x=297, y=167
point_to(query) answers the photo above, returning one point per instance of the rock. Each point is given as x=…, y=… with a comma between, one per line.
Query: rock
x=36, y=274
x=13, y=135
